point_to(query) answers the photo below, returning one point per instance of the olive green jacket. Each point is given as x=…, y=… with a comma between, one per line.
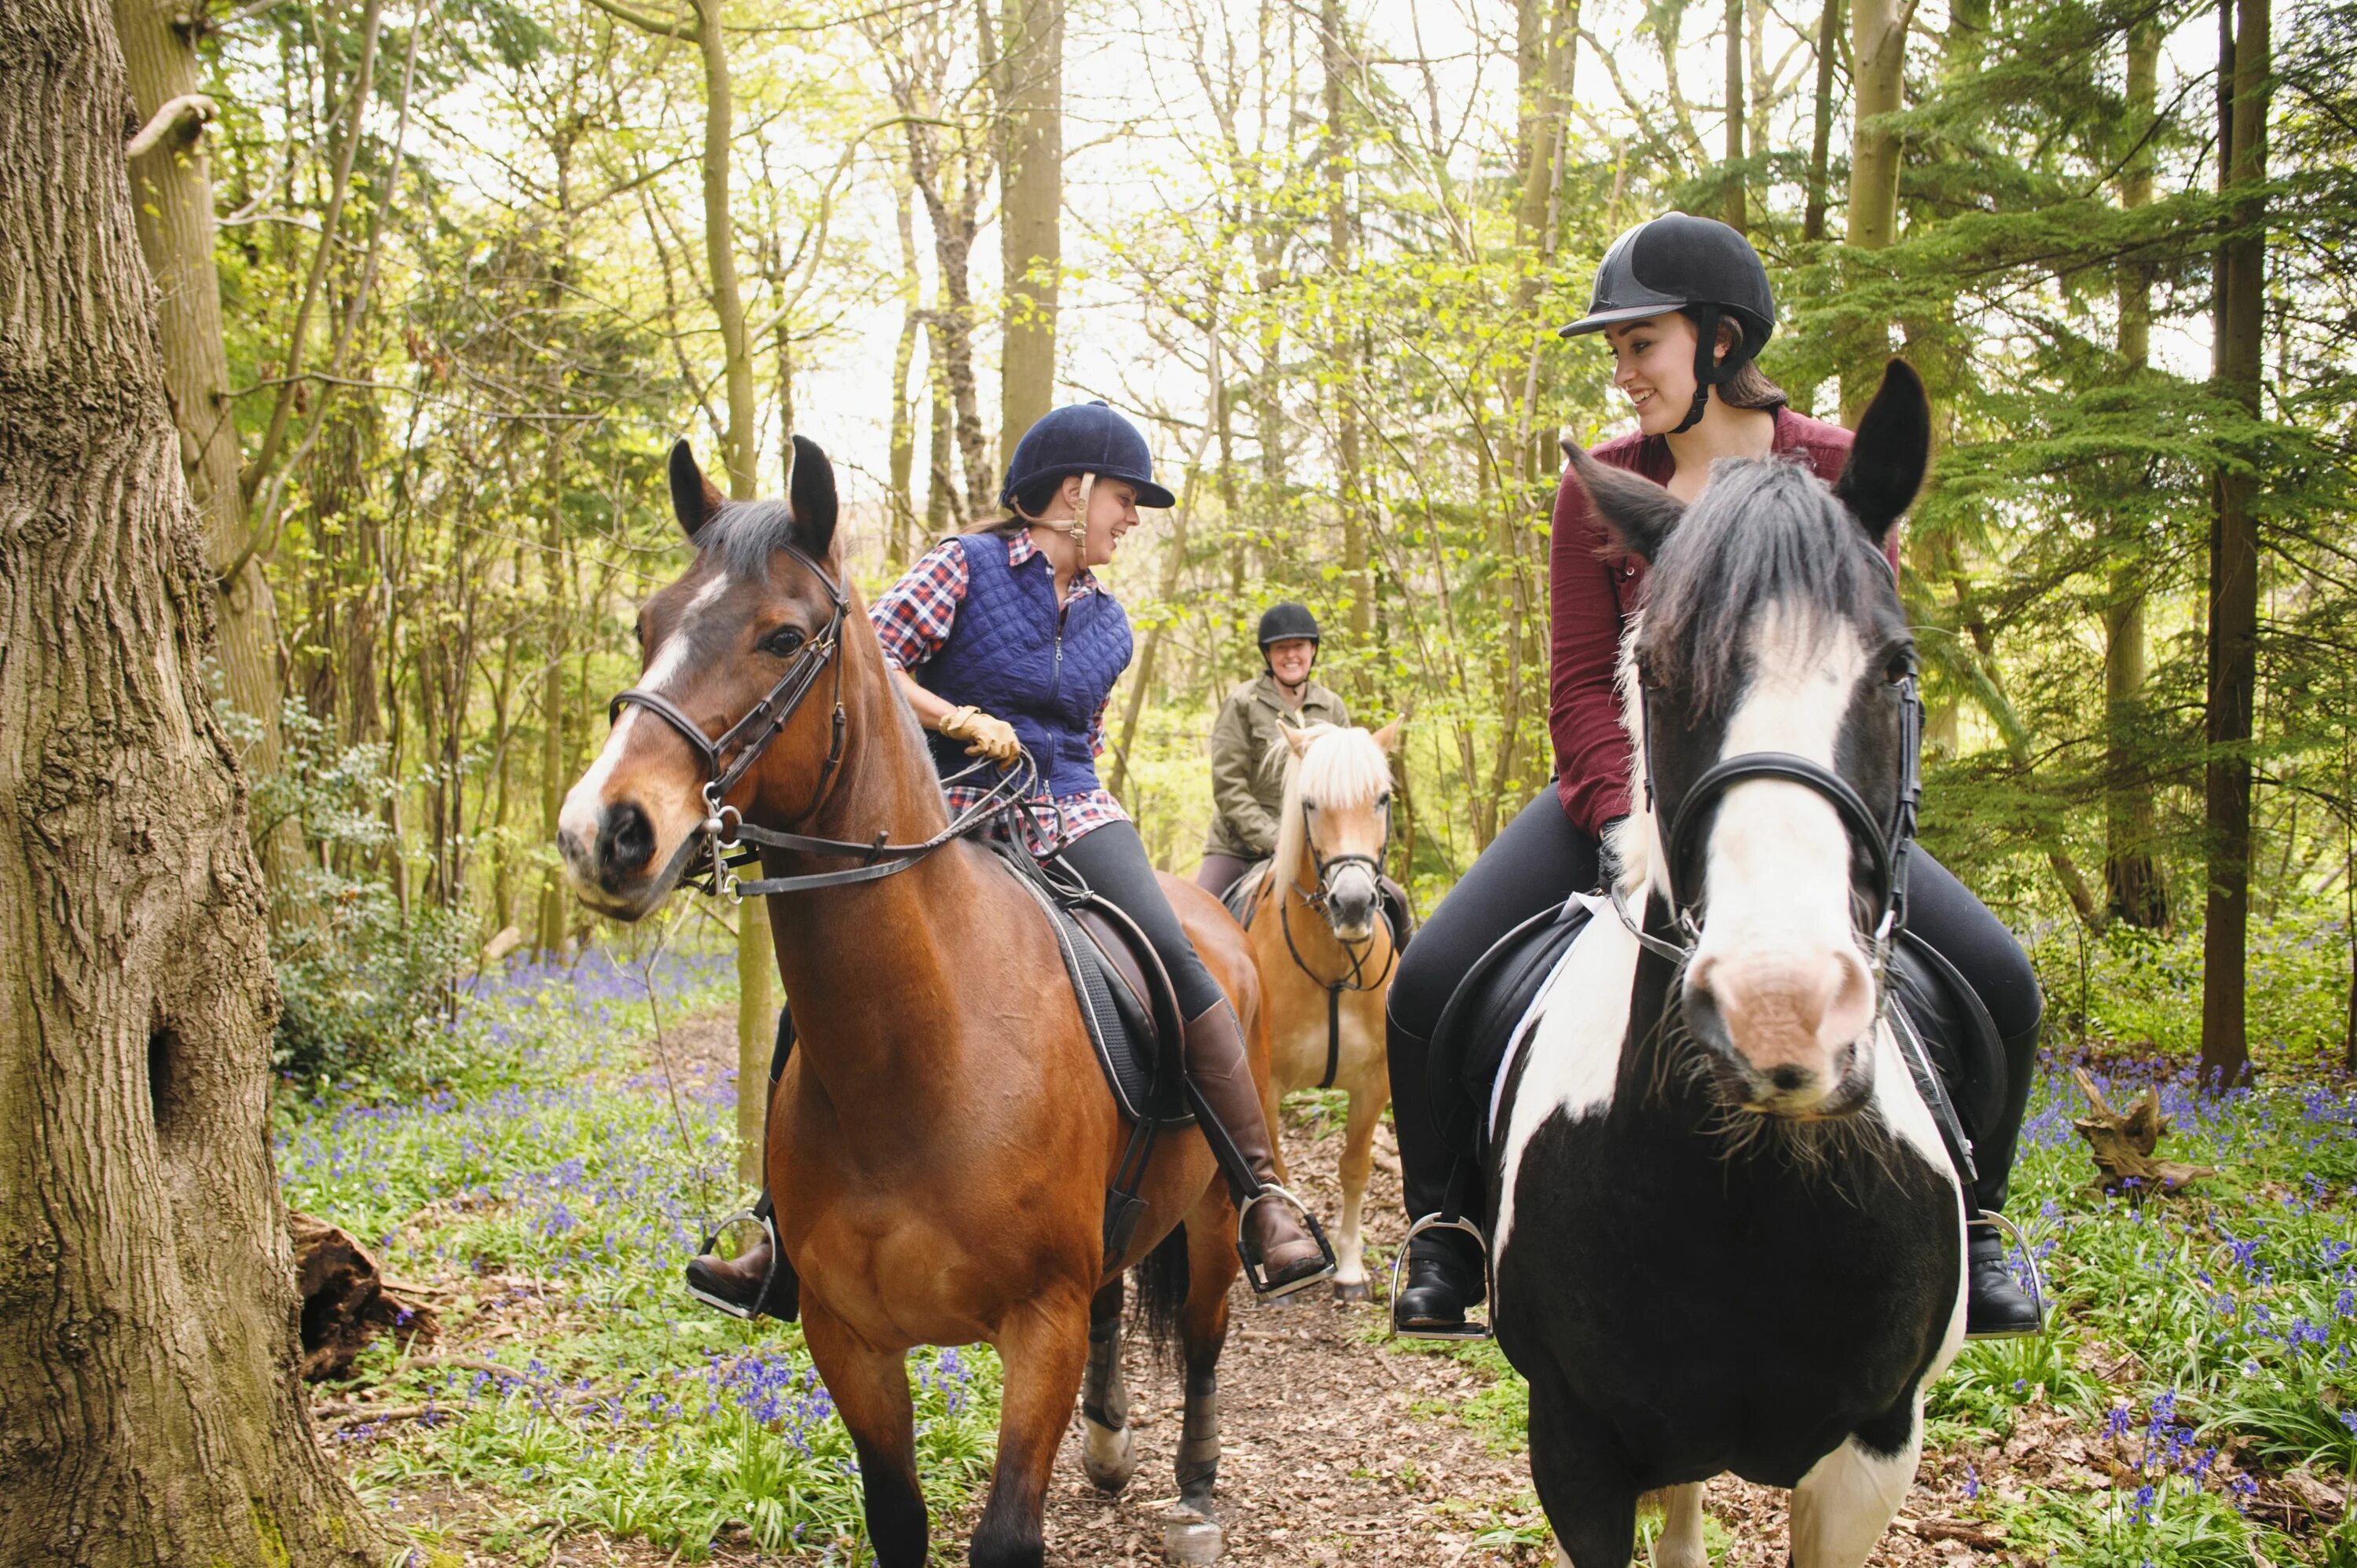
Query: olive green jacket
x=1248, y=763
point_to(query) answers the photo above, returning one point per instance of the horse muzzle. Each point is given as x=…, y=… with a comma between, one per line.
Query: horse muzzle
x=1776, y=1055
x=612, y=856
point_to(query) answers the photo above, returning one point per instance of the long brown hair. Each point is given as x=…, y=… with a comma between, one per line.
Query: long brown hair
x=1750, y=386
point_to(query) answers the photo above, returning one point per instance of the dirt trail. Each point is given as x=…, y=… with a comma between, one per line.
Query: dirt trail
x=1339, y=1447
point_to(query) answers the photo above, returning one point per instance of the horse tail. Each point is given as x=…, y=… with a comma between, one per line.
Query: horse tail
x=1164, y=1282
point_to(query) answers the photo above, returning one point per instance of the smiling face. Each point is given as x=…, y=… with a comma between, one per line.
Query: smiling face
x=1290, y=660
x=1653, y=364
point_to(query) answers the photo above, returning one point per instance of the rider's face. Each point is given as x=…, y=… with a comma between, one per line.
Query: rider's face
x=1291, y=660
x=1653, y=363
x=1112, y=511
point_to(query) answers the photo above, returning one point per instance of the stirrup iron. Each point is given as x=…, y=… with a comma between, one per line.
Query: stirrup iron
x=768, y=1280
x=1254, y=1275
x=2019, y=1243
x=1472, y=1328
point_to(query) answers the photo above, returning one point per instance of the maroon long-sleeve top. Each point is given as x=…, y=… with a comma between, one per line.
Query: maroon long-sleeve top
x=1592, y=591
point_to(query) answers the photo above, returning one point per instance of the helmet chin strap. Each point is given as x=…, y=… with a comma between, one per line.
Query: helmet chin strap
x=1706, y=366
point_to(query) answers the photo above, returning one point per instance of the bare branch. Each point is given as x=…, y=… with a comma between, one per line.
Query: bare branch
x=188, y=106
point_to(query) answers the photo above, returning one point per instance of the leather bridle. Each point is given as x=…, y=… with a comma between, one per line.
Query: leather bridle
x=1321, y=900
x=1885, y=845
x=730, y=840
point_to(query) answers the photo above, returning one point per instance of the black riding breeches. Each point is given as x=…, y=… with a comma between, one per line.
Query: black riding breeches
x=1112, y=861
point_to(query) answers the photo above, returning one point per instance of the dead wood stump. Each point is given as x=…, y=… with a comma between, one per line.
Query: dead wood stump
x=2123, y=1146
x=346, y=1301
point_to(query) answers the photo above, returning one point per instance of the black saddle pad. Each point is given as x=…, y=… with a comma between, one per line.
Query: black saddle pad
x=1956, y=1030
x=1479, y=1022
x=1140, y=1040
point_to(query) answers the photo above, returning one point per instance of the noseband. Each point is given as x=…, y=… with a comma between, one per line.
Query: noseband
x=732, y=841
x=1885, y=847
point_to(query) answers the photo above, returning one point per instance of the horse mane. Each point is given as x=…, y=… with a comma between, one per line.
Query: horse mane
x=744, y=534
x=1767, y=530
x=1343, y=766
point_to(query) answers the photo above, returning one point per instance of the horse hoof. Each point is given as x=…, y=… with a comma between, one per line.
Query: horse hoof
x=1190, y=1539
x=1108, y=1458
x=1353, y=1292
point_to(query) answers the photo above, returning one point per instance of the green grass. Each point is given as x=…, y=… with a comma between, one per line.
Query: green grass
x=553, y=1190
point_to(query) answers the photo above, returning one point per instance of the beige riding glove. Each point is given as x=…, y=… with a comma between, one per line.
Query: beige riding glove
x=983, y=736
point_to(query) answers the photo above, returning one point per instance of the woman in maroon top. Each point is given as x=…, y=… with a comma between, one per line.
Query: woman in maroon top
x=1684, y=306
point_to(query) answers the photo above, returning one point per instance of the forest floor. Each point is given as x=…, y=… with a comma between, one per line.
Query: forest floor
x=551, y=1432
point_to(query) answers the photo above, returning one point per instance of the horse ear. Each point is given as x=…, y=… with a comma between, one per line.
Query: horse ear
x=1638, y=513
x=1892, y=449
x=693, y=498
x=1294, y=737
x=812, y=494
x=1388, y=736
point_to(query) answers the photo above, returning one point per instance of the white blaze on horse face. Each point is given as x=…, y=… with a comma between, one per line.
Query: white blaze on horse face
x=1777, y=954
x=669, y=797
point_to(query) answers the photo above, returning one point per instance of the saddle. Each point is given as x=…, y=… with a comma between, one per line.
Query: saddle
x=1933, y=1001
x=1125, y=996
x=1244, y=895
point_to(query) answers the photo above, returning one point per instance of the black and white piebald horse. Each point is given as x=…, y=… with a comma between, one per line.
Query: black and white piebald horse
x=1728, y=1236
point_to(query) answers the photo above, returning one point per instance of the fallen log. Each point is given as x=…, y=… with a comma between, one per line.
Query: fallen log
x=2123, y=1146
x=346, y=1301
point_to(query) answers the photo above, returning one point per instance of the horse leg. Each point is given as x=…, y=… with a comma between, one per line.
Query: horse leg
x=1108, y=1450
x=1358, y=1158
x=1211, y=1268
x=1042, y=1345
x=870, y=1390
x=1849, y=1498
x=1680, y=1545
x=1589, y=1500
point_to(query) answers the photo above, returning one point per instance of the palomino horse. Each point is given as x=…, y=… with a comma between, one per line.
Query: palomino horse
x=1728, y=1232
x=939, y=1142
x=1325, y=951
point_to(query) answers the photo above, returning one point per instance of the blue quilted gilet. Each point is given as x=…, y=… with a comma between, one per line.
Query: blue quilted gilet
x=1014, y=656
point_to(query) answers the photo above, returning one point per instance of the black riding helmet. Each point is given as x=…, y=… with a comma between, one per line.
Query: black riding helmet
x=1286, y=621
x=1699, y=266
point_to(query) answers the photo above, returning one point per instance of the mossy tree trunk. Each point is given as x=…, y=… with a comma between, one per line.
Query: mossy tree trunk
x=148, y=1389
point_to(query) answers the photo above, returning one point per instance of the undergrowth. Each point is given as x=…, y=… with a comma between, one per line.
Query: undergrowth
x=546, y=1197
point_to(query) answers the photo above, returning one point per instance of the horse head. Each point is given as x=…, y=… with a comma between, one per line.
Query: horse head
x=1769, y=688
x=1338, y=813
x=717, y=724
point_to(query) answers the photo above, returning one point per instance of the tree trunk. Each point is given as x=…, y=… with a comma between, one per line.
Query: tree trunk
x=944, y=512
x=1879, y=46
x=901, y=450
x=147, y=1308
x=2234, y=558
x=1738, y=217
x=2132, y=881
x=1342, y=343
x=1032, y=202
x=1821, y=134
x=173, y=202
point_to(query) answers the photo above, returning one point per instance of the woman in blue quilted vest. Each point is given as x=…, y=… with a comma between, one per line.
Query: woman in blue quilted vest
x=1003, y=641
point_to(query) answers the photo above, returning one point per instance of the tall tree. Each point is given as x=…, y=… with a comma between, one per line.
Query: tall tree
x=2245, y=84
x=2134, y=887
x=1031, y=203
x=1878, y=47
x=1738, y=213
x=1821, y=132
x=1342, y=343
x=174, y=204
x=148, y=1377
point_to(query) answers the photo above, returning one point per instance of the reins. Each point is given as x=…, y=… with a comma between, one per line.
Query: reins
x=731, y=841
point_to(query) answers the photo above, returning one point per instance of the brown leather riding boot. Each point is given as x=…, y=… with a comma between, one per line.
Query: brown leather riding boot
x=1282, y=1252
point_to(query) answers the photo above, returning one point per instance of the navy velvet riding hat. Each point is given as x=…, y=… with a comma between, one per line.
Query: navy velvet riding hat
x=1083, y=439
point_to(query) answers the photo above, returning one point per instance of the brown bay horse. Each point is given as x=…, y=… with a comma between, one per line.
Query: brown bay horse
x=940, y=1143
x=1325, y=950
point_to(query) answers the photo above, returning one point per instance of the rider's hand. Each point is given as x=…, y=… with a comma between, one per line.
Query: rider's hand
x=983, y=736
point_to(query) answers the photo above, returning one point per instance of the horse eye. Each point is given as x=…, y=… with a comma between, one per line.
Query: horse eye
x=1383, y=801
x=1901, y=670
x=784, y=642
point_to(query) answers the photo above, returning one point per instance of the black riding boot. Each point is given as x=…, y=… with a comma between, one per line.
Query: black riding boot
x=759, y=1281
x=1281, y=1253
x=1995, y=1306
x=1445, y=1268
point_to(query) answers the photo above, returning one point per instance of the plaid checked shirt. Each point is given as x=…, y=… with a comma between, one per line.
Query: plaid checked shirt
x=912, y=620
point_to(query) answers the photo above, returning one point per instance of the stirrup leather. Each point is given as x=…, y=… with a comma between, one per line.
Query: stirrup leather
x=1472, y=1328
x=1255, y=1274
x=2019, y=1244
x=768, y=1280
